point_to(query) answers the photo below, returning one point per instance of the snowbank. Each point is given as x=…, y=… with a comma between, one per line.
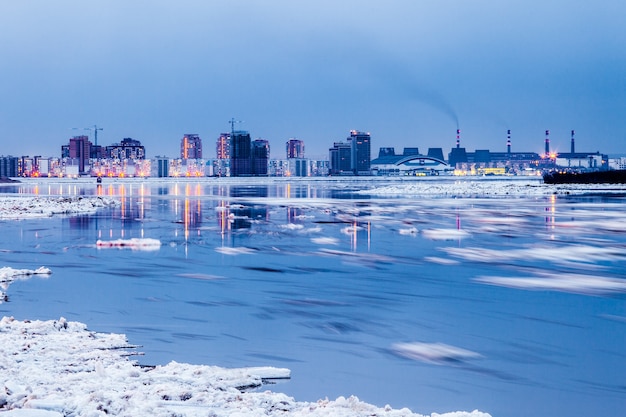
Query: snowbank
x=13, y=208
x=59, y=368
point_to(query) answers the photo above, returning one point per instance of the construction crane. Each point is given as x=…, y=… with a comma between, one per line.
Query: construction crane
x=232, y=125
x=95, y=129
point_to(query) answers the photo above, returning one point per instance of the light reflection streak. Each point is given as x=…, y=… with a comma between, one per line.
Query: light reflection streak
x=551, y=216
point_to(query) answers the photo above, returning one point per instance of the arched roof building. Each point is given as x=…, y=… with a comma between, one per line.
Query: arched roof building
x=410, y=163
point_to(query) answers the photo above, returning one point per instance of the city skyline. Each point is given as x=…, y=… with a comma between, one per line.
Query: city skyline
x=177, y=146
x=410, y=73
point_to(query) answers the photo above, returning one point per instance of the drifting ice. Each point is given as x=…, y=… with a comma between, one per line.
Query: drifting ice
x=134, y=243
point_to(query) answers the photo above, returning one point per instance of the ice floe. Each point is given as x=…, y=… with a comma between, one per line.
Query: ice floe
x=325, y=240
x=134, y=244
x=411, y=231
x=225, y=250
x=564, y=282
x=445, y=234
x=14, y=208
x=436, y=353
x=564, y=254
x=8, y=275
x=60, y=368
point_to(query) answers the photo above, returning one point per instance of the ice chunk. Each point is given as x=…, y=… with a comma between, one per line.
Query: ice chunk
x=134, y=243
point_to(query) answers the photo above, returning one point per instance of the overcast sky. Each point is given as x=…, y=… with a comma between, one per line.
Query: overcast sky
x=407, y=71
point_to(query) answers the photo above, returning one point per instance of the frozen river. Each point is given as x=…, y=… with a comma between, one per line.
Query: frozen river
x=409, y=293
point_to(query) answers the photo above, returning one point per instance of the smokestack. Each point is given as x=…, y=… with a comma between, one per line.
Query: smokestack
x=458, y=138
x=508, y=142
x=573, y=148
x=547, y=143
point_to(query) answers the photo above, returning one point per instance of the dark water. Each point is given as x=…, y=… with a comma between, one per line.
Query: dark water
x=315, y=278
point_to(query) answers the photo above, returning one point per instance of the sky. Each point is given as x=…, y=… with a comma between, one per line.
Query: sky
x=409, y=72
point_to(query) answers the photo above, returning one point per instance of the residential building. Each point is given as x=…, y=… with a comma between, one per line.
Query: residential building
x=295, y=148
x=78, y=151
x=222, y=147
x=8, y=166
x=240, y=154
x=260, y=157
x=191, y=147
x=128, y=149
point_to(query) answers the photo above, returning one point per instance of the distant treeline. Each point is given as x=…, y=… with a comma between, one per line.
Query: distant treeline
x=598, y=177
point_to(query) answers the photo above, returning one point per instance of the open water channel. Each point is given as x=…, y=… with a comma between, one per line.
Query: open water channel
x=515, y=306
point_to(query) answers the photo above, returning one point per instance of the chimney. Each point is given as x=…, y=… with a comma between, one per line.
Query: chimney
x=547, y=143
x=508, y=142
x=573, y=148
x=458, y=138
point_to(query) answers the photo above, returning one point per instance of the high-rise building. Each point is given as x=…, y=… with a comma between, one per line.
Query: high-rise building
x=361, y=152
x=295, y=148
x=340, y=159
x=9, y=166
x=222, y=147
x=191, y=147
x=240, y=154
x=260, y=157
x=79, y=149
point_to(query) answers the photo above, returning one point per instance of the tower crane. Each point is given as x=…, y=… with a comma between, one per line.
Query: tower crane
x=95, y=129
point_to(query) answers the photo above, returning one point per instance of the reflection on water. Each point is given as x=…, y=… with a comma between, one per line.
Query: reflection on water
x=512, y=306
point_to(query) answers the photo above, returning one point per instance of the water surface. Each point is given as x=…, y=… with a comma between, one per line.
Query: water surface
x=310, y=276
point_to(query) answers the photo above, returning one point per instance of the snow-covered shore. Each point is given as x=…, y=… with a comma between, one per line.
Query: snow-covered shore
x=490, y=188
x=60, y=368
